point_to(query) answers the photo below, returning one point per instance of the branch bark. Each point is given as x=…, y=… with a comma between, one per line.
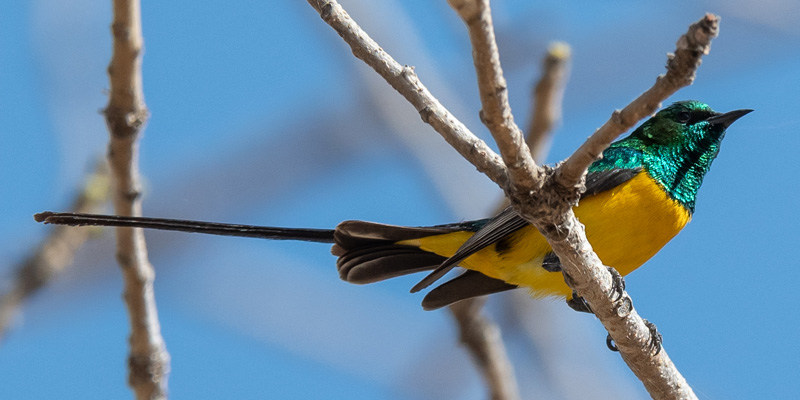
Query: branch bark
x=545, y=196
x=126, y=115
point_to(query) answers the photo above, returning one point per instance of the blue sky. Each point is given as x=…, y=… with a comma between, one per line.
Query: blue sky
x=260, y=114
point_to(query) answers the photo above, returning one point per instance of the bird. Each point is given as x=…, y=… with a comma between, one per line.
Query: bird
x=638, y=196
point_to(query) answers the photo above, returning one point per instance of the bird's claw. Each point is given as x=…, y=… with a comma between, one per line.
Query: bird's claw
x=655, y=337
x=617, y=284
x=579, y=304
x=654, y=344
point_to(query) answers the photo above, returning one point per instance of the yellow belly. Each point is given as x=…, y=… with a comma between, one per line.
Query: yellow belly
x=625, y=225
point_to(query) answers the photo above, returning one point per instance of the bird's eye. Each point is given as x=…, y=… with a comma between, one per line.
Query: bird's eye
x=684, y=117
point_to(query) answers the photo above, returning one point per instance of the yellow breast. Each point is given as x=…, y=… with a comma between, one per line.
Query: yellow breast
x=625, y=225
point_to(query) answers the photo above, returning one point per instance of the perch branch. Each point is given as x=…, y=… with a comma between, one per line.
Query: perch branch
x=126, y=114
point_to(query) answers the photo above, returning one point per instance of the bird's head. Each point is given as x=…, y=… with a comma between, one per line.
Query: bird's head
x=686, y=126
x=676, y=147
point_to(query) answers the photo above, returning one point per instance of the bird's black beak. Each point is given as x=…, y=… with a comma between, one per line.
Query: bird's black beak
x=726, y=119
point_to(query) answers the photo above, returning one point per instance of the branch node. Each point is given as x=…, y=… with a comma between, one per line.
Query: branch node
x=624, y=307
x=326, y=12
x=426, y=114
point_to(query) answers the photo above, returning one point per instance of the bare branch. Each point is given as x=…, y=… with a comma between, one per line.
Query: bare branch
x=482, y=338
x=57, y=251
x=681, y=68
x=548, y=95
x=405, y=81
x=496, y=112
x=125, y=116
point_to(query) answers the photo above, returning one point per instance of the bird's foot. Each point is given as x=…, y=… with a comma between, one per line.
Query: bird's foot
x=579, y=304
x=617, y=284
x=654, y=344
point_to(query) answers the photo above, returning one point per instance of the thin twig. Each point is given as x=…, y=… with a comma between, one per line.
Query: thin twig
x=126, y=114
x=405, y=81
x=496, y=110
x=56, y=252
x=681, y=68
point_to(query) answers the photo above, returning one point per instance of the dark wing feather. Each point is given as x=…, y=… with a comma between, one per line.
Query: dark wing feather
x=505, y=223
x=601, y=181
x=467, y=285
x=508, y=222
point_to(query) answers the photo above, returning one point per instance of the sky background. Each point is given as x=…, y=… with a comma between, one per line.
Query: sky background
x=260, y=115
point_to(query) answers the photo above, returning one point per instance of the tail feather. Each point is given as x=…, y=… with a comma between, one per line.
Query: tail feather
x=368, y=251
x=354, y=234
x=375, y=263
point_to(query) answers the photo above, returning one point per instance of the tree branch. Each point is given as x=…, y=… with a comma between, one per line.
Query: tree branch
x=496, y=111
x=407, y=83
x=56, y=252
x=126, y=115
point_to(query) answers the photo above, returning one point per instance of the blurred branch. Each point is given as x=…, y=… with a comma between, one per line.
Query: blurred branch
x=545, y=196
x=126, y=115
x=548, y=94
x=482, y=338
x=56, y=252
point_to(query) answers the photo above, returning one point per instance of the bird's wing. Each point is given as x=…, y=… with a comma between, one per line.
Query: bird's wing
x=508, y=222
x=469, y=284
x=505, y=223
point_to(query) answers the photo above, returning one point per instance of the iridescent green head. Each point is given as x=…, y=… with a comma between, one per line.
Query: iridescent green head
x=676, y=147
